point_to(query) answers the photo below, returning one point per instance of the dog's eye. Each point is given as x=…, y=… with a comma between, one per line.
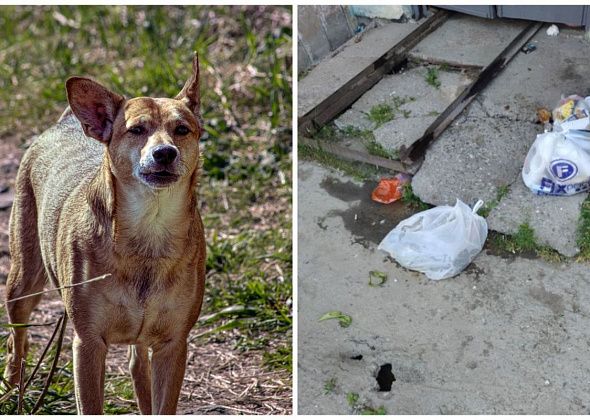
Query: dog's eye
x=181, y=130
x=137, y=130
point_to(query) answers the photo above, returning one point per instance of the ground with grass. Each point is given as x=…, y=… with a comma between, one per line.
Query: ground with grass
x=240, y=350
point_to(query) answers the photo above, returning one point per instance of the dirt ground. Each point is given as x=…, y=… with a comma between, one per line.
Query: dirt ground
x=219, y=378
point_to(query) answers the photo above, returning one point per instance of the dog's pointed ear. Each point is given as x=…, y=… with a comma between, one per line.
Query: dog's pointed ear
x=190, y=93
x=94, y=105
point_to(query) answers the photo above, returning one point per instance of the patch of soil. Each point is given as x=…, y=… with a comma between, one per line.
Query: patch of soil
x=218, y=380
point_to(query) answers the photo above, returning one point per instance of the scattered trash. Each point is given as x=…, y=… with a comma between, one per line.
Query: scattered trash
x=553, y=30
x=558, y=163
x=439, y=242
x=343, y=319
x=529, y=48
x=360, y=28
x=390, y=189
x=573, y=112
x=544, y=117
x=377, y=278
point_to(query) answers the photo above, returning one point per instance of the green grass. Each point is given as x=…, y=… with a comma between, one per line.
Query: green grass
x=377, y=149
x=358, y=171
x=523, y=241
x=327, y=132
x=352, y=399
x=380, y=114
x=352, y=131
x=583, y=240
x=370, y=411
x=330, y=386
x=501, y=192
x=245, y=193
x=432, y=77
x=412, y=200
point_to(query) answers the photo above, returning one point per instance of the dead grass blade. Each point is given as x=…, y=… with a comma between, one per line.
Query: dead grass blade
x=54, y=364
x=7, y=395
x=104, y=276
x=21, y=388
x=57, y=327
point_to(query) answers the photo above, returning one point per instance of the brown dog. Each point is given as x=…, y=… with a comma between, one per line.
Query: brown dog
x=111, y=188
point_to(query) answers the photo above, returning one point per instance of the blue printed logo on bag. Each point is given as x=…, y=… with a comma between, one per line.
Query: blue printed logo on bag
x=563, y=169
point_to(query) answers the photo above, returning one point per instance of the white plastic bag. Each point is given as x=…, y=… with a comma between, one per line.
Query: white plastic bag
x=558, y=163
x=439, y=242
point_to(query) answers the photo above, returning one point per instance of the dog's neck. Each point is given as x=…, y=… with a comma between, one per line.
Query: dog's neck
x=146, y=222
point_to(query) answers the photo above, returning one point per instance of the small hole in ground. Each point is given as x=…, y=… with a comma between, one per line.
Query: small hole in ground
x=357, y=357
x=385, y=377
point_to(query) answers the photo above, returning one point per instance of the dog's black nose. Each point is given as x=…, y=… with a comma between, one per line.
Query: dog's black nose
x=164, y=154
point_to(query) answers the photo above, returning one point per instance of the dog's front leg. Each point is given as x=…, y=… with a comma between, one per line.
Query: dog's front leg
x=89, y=367
x=168, y=365
x=139, y=365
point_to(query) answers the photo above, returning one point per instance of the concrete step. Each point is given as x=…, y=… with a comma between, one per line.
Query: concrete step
x=467, y=40
x=486, y=146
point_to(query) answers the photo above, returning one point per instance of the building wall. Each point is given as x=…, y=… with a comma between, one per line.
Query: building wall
x=322, y=29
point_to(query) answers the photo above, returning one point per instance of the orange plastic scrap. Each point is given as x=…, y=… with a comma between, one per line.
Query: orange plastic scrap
x=390, y=189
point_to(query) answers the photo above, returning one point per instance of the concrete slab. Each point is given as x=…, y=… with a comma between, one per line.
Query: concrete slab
x=559, y=66
x=416, y=105
x=468, y=40
x=554, y=219
x=507, y=336
x=502, y=115
x=331, y=74
x=403, y=131
x=472, y=159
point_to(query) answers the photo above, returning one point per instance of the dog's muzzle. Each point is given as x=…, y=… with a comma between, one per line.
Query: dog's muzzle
x=159, y=169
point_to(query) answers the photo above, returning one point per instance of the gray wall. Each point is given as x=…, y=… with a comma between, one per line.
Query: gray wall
x=322, y=29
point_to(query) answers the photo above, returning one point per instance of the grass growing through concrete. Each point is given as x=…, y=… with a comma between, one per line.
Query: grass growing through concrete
x=330, y=386
x=368, y=139
x=523, y=242
x=353, y=400
x=358, y=171
x=501, y=192
x=432, y=77
x=245, y=192
x=380, y=114
x=583, y=241
x=412, y=200
x=377, y=149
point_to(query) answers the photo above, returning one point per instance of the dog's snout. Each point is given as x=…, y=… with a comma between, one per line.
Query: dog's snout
x=164, y=154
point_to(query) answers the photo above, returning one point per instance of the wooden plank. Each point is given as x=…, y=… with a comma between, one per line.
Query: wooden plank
x=345, y=96
x=358, y=156
x=416, y=151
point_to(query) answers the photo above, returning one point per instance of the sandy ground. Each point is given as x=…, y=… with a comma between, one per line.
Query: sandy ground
x=507, y=336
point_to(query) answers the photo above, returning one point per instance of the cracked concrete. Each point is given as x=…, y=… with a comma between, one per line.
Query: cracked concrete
x=473, y=159
x=415, y=104
x=509, y=335
x=485, y=147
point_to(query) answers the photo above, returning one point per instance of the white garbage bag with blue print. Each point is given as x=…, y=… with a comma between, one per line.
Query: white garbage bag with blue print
x=439, y=242
x=558, y=163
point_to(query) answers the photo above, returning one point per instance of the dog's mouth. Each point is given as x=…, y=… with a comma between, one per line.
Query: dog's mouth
x=159, y=178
